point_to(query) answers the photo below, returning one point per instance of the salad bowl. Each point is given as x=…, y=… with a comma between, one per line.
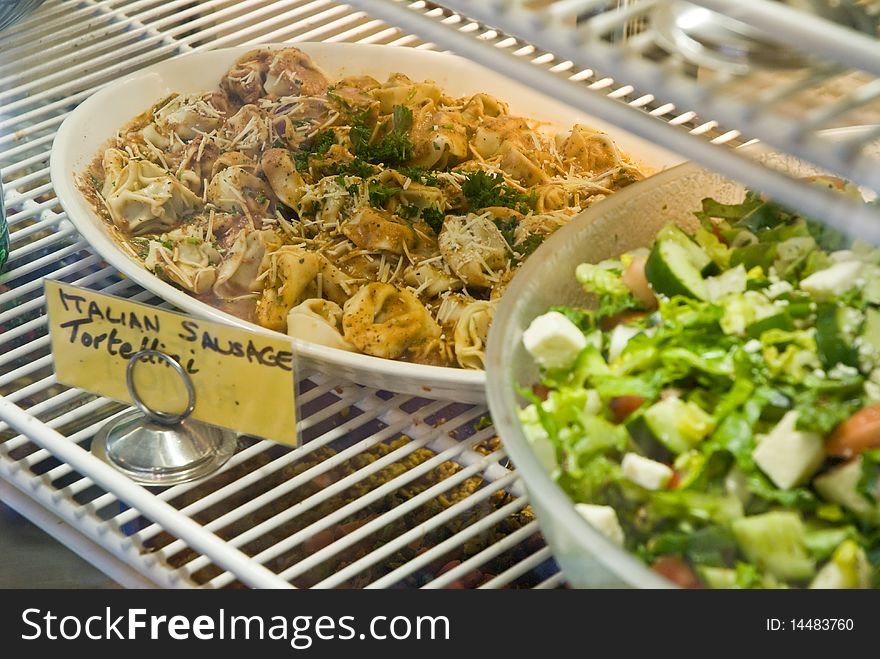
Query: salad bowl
x=629, y=221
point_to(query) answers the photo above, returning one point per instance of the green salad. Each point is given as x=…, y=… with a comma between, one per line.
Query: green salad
x=714, y=407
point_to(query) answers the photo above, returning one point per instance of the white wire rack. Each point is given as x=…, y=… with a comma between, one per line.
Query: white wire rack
x=389, y=491
x=787, y=109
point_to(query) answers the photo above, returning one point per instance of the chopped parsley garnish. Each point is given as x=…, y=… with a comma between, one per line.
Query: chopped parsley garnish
x=433, y=217
x=380, y=193
x=483, y=190
x=409, y=212
x=529, y=245
x=419, y=175
x=355, y=167
x=168, y=244
x=319, y=145
x=392, y=148
x=336, y=98
x=507, y=227
x=261, y=197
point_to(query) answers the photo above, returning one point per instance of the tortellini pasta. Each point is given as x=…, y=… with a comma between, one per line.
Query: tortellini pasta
x=186, y=259
x=318, y=321
x=142, y=198
x=475, y=249
x=385, y=217
x=385, y=321
x=239, y=273
x=470, y=334
x=289, y=279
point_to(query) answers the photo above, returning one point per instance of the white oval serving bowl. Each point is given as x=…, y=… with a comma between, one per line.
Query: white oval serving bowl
x=95, y=121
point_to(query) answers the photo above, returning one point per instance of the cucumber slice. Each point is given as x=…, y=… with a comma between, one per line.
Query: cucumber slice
x=697, y=256
x=678, y=425
x=671, y=272
x=717, y=577
x=836, y=329
x=774, y=541
x=641, y=434
x=780, y=321
x=871, y=330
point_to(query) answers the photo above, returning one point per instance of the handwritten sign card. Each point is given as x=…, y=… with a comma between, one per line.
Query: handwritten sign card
x=243, y=380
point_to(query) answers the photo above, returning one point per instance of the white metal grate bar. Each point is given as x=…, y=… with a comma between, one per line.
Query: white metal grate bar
x=322, y=495
x=444, y=547
x=556, y=581
x=272, y=467
x=519, y=569
x=479, y=559
x=106, y=476
x=395, y=513
x=413, y=534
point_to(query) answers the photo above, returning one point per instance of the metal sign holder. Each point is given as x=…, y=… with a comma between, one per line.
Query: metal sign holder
x=161, y=448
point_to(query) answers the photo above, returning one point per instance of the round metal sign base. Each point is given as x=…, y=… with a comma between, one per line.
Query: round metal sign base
x=154, y=453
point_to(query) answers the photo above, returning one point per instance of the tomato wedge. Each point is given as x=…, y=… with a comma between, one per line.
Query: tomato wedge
x=622, y=406
x=858, y=433
x=677, y=571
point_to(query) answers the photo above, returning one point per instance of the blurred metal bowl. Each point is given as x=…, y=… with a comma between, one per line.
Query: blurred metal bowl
x=627, y=220
x=12, y=11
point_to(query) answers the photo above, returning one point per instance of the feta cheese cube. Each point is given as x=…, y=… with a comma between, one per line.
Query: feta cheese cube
x=553, y=340
x=840, y=485
x=778, y=288
x=647, y=473
x=728, y=282
x=620, y=336
x=752, y=345
x=603, y=519
x=835, y=280
x=788, y=456
x=844, y=255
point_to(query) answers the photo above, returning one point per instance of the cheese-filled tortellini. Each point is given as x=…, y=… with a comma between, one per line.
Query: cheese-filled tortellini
x=144, y=198
x=429, y=280
x=496, y=132
x=293, y=73
x=374, y=229
x=479, y=106
x=184, y=258
x=378, y=215
x=185, y=116
x=318, y=321
x=399, y=90
x=385, y=321
x=475, y=249
x=244, y=80
x=593, y=150
x=440, y=138
x=470, y=333
x=247, y=131
x=540, y=225
x=235, y=189
x=238, y=274
x=289, y=278
x=281, y=174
